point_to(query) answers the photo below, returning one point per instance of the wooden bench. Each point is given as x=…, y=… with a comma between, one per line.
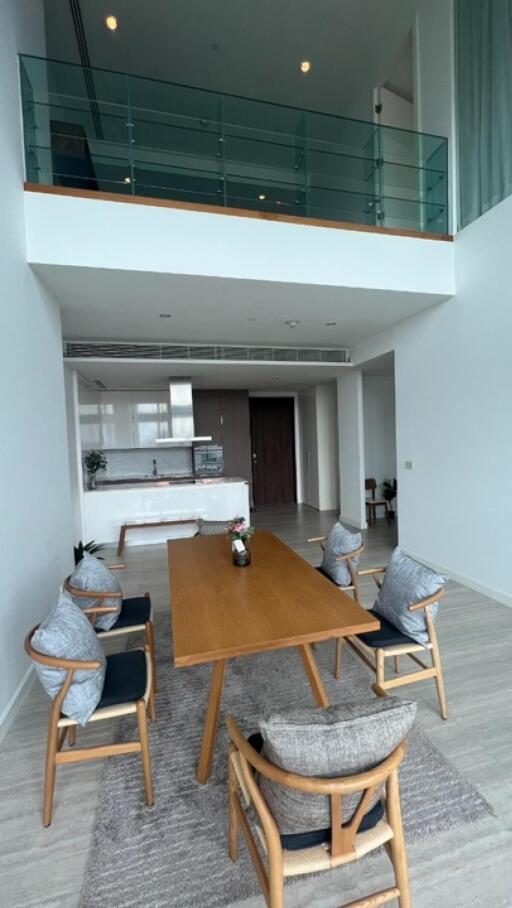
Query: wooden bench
x=142, y=524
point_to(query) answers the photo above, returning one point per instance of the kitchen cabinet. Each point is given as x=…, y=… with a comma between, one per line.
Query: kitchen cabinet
x=90, y=419
x=225, y=416
x=207, y=415
x=150, y=417
x=116, y=419
x=123, y=419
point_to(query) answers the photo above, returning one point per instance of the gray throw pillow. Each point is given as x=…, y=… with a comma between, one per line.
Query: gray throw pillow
x=92, y=574
x=68, y=634
x=340, y=541
x=341, y=740
x=406, y=582
x=212, y=527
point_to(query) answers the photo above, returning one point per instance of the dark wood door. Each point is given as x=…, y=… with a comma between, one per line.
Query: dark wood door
x=273, y=450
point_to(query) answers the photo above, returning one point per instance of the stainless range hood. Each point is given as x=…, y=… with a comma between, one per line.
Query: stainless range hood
x=181, y=415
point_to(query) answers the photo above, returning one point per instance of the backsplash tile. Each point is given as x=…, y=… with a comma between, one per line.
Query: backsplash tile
x=136, y=462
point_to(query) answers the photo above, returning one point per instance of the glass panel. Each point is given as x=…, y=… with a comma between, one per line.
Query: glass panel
x=107, y=131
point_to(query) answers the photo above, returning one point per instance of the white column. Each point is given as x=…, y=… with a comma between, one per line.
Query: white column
x=351, y=448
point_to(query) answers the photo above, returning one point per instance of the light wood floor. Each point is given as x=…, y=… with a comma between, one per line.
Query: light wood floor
x=467, y=868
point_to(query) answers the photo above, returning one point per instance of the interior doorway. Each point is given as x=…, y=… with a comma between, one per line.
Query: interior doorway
x=273, y=450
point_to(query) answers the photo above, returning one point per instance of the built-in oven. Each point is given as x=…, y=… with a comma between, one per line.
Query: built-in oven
x=208, y=460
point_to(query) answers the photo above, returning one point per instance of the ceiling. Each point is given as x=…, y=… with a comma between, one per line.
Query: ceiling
x=245, y=47
x=101, y=304
x=154, y=376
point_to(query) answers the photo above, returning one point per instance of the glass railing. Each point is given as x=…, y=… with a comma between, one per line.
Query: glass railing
x=95, y=129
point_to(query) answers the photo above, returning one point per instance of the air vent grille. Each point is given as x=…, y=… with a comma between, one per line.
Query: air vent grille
x=225, y=352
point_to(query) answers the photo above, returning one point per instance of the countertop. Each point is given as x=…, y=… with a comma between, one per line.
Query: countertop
x=113, y=485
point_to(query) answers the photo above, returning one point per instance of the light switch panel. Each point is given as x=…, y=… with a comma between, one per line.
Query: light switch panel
x=409, y=464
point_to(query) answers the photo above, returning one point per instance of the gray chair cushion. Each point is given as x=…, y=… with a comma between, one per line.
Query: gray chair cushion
x=68, y=634
x=338, y=741
x=339, y=542
x=405, y=582
x=93, y=574
x=212, y=527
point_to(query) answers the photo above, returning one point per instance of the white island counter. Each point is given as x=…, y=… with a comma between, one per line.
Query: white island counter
x=107, y=508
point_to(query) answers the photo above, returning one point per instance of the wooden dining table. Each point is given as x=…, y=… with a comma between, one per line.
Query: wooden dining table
x=221, y=611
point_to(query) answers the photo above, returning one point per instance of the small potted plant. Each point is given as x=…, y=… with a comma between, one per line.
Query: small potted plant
x=389, y=494
x=240, y=533
x=94, y=461
x=91, y=547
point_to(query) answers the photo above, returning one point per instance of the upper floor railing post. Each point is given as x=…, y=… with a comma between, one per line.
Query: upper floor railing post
x=222, y=151
x=131, y=137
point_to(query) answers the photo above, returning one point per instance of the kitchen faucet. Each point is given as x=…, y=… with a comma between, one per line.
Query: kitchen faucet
x=155, y=471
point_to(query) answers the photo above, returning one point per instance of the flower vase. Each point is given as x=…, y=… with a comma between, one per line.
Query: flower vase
x=241, y=559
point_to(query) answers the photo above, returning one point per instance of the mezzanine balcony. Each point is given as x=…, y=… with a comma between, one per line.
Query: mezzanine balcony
x=108, y=132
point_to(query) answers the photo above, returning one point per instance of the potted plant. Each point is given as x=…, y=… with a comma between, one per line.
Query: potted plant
x=239, y=534
x=94, y=461
x=91, y=547
x=389, y=494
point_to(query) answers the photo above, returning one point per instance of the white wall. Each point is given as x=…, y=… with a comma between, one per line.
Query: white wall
x=319, y=443
x=309, y=445
x=74, y=451
x=35, y=542
x=351, y=448
x=102, y=234
x=379, y=427
x=396, y=111
x=453, y=375
x=327, y=431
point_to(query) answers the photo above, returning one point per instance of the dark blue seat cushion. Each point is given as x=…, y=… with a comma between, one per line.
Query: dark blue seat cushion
x=134, y=611
x=125, y=678
x=298, y=840
x=388, y=635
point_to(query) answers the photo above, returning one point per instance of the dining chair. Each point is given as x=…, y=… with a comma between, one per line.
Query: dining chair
x=375, y=647
x=127, y=690
x=372, y=503
x=135, y=616
x=345, y=842
x=352, y=587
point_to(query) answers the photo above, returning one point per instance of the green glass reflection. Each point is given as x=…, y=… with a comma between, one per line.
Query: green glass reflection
x=112, y=132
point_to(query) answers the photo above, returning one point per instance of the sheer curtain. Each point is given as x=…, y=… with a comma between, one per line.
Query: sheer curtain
x=484, y=104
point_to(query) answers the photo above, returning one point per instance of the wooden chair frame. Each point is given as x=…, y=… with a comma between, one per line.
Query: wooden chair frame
x=61, y=727
x=94, y=612
x=347, y=843
x=371, y=504
x=375, y=657
x=352, y=588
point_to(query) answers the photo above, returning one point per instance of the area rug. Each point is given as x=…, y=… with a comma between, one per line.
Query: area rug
x=175, y=853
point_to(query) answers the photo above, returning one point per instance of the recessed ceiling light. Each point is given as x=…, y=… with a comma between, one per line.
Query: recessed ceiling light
x=293, y=322
x=262, y=197
x=111, y=23
x=164, y=315
x=305, y=66
x=330, y=324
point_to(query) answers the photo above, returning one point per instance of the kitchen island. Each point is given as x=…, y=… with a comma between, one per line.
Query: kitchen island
x=107, y=508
